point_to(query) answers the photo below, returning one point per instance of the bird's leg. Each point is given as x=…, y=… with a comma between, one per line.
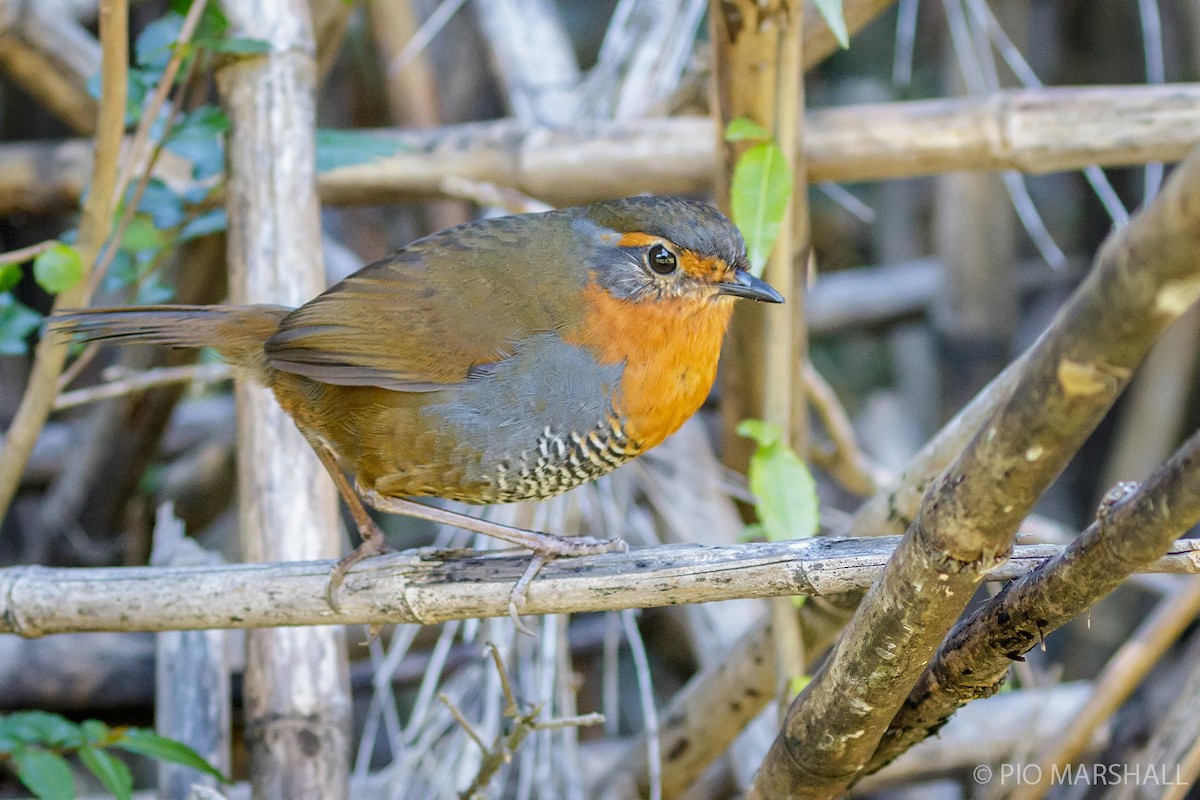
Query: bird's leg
x=373, y=541
x=545, y=546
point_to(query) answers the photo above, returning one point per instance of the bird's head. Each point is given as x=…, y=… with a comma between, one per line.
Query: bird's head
x=658, y=248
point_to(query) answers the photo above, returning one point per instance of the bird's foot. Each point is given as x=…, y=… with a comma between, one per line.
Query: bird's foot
x=545, y=547
x=373, y=544
x=550, y=547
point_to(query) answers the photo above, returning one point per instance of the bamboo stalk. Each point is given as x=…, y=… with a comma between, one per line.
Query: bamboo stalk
x=297, y=703
x=51, y=56
x=1032, y=131
x=95, y=223
x=428, y=586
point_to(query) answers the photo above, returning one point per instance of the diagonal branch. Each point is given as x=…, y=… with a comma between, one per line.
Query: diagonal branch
x=975, y=658
x=1145, y=276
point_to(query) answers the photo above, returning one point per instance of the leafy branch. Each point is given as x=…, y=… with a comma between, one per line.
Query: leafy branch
x=35, y=746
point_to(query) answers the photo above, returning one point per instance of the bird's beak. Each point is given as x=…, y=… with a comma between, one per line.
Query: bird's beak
x=746, y=285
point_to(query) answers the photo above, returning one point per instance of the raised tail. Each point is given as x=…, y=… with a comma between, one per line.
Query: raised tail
x=237, y=333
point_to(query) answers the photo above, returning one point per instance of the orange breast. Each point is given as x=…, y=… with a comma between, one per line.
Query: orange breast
x=670, y=349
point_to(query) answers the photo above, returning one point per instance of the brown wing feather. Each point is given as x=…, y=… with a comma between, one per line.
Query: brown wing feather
x=414, y=322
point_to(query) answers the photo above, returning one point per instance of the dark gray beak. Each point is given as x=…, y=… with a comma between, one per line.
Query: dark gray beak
x=746, y=285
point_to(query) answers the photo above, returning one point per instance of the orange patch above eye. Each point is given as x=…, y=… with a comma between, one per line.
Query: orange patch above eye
x=638, y=239
x=704, y=268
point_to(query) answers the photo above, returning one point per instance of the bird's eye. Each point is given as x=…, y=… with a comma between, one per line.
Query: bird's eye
x=662, y=260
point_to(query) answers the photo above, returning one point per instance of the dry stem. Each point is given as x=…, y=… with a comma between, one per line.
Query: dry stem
x=1037, y=131
x=141, y=381
x=429, y=586
x=1123, y=673
x=973, y=662
x=93, y=229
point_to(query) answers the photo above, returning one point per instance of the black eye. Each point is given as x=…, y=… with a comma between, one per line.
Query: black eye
x=662, y=260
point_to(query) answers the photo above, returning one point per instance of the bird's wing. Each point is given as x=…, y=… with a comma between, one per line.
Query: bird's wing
x=410, y=325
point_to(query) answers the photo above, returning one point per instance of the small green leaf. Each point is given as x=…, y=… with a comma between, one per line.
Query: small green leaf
x=44, y=773
x=238, y=44
x=786, y=494
x=142, y=235
x=763, y=433
x=41, y=727
x=152, y=50
x=798, y=684
x=163, y=205
x=58, y=269
x=148, y=743
x=110, y=771
x=10, y=276
x=831, y=10
x=199, y=137
x=744, y=129
x=17, y=321
x=212, y=23
x=95, y=731
x=344, y=148
x=758, y=197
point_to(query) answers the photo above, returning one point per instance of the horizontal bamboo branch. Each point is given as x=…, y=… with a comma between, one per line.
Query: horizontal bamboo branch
x=1033, y=131
x=51, y=56
x=427, y=586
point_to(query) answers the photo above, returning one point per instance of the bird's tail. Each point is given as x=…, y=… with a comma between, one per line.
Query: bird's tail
x=237, y=333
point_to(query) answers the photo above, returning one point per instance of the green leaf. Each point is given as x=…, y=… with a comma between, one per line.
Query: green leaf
x=58, y=268
x=110, y=771
x=831, y=10
x=142, y=235
x=10, y=276
x=785, y=492
x=148, y=743
x=744, y=129
x=152, y=50
x=95, y=731
x=163, y=205
x=199, y=137
x=343, y=148
x=17, y=321
x=237, y=44
x=41, y=727
x=212, y=23
x=798, y=684
x=44, y=773
x=758, y=196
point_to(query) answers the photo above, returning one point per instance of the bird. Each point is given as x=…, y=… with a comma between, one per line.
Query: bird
x=502, y=360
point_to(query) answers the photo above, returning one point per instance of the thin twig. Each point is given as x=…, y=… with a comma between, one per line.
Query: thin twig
x=141, y=381
x=847, y=464
x=26, y=253
x=510, y=699
x=78, y=365
x=93, y=230
x=134, y=155
x=523, y=723
x=466, y=726
x=485, y=193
